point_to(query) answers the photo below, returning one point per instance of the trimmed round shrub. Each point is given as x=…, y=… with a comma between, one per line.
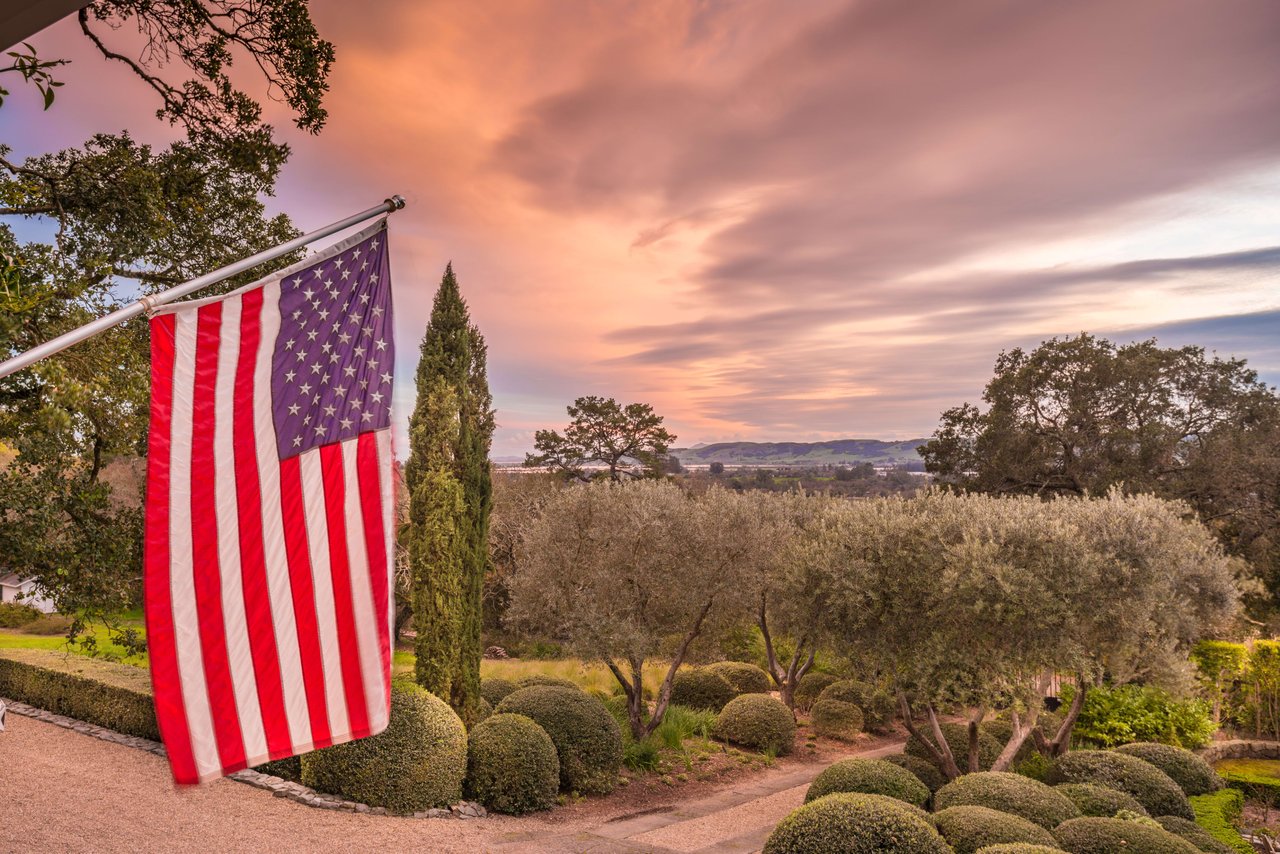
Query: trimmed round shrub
x=836, y=719
x=870, y=777
x=1190, y=772
x=925, y=771
x=588, y=740
x=810, y=686
x=538, y=679
x=1019, y=848
x=1194, y=833
x=483, y=710
x=418, y=762
x=957, y=736
x=700, y=688
x=745, y=678
x=1096, y=801
x=757, y=721
x=877, y=706
x=855, y=824
x=969, y=828
x=494, y=688
x=1109, y=835
x=512, y=765
x=1011, y=793
x=1150, y=786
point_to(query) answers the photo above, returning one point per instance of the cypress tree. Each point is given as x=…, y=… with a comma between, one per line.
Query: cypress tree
x=450, y=495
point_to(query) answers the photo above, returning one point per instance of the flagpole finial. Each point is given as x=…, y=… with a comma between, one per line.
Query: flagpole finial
x=396, y=202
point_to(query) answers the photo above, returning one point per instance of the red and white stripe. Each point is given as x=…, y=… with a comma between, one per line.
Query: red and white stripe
x=268, y=582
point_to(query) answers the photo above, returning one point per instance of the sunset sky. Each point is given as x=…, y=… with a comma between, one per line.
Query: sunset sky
x=783, y=220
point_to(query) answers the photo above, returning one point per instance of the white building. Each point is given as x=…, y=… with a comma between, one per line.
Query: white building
x=14, y=589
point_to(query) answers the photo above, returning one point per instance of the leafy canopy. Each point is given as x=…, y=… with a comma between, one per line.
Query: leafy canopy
x=629, y=441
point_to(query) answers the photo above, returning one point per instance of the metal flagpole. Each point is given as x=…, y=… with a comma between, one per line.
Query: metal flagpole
x=147, y=303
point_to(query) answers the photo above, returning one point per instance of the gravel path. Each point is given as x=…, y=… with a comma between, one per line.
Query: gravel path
x=63, y=791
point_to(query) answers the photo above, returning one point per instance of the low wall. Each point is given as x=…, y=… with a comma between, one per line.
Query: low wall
x=1240, y=749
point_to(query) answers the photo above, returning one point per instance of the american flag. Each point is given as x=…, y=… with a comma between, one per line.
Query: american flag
x=268, y=548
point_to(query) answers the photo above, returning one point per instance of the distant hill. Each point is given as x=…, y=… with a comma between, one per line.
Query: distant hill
x=803, y=453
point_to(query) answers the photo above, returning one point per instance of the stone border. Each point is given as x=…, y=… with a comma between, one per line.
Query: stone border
x=1240, y=748
x=278, y=787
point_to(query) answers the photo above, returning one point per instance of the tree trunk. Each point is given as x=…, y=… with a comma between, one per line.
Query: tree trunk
x=1052, y=749
x=664, y=693
x=789, y=677
x=939, y=751
x=974, y=759
x=1021, y=729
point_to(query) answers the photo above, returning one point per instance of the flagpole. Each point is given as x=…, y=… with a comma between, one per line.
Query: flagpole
x=148, y=303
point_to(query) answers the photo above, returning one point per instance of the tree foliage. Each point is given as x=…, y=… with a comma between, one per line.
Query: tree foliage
x=629, y=441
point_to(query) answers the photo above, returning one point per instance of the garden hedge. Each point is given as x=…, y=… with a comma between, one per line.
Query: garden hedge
x=700, y=688
x=288, y=768
x=1190, y=772
x=1011, y=793
x=745, y=678
x=836, y=719
x=418, y=762
x=757, y=721
x=1152, y=788
x=512, y=766
x=1219, y=814
x=1098, y=801
x=855, y=824
x=1109, y=835
x=540, y=679
x=957, y=736
x=810, y=686
x=588, y=740
x=876, y=705
x=111, y=695
x=15, y=614
x=1019, y=848
x=925, y=771
x=969, y=828
x=1194, y=833
x=870, y=777
x=494, y=688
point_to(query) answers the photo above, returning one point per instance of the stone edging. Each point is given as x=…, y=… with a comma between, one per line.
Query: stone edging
x=1240, y=748
x=278, y=787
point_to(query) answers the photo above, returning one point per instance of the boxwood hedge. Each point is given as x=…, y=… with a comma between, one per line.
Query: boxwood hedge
x=1011, y=793
x=745, y=678
x=877, y=706
x=810, y=686
x=1194, y=833
x=757, y=721
x=871, y=777
x=836, y=719
x=1190, y=772
x=1019, y=848
x=969, y=828
x=701, y=688
x=588, y=740
x=1219, y=814
x=1109, y=835
x=512, y=766
x=537, y=679
x=925, y=771
x=1150, y=786
x=115, y=696
x=855, y=824
x=1099, y=801
x=957, y=736
x=494, y=688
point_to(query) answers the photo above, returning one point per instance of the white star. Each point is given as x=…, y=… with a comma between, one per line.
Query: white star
x=297, y=314
x=334, y=357
x=373, y=277
x=355, y=253
x=364, y=383
x=294, y=409
x=302, y=355
x=324, y=380
x=336, y=326
x=308, y=293
x=329, y=410
x=288, y=377
x=326, y=346
x=376, y=397
x=297, y=440
x=328, y=283
x=364, y=298
x=381, y=344
x=359, y=351
x=319, y=429
x=311, y=335
x=367, y=330
x=324, y=314
x=305, y=388
x=364, y=265
x=349, y=371
x=386, y=378
x=315, y=398
x=373, y=364
x=307, y=420
x=297, y=281
x=318, y=271
x=344, y=337
x=315, y=304
x=373, y=244
x=315, y=367
x=356, y=403
x=346, y=423
x=346, y=274
x=377, y=311
x=288, y=345
x=340, y=391
x=366, y=416
x=338, y=261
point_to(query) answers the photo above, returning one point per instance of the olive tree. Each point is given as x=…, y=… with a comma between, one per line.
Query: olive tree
x=618, y=571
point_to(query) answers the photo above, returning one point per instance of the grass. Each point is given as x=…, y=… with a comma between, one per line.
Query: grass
x=34, y=636
x=1261, y=769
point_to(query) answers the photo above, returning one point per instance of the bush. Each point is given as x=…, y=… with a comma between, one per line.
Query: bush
x=288, y=768
x=512, y=765
x=588, y=740
x=810, y=686
x=855, y=824
x=925, y=771
x=541, y=679
x=1194, y=833
x=957, y=736
x=877, y=706
x=15, y=614
x=1150, y=786
x=1219, y=814
x=641, y=755
x=1193, y=774
x=757, y=721
x=1114, y=716
x=1099, y=801
x=1019, y=848
x=418, y=762
x=115, y=696
x=1109, y=835
x=836, y=719
x=969, y=828
x=1011, y=793
x=700, y=688
x=745, y=678
x=870, y=777
x=495, y=688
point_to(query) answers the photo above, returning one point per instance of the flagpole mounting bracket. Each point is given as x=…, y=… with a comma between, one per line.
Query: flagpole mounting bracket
x=395, y=203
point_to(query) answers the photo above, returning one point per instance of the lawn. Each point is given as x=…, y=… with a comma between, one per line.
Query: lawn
x=49, y=632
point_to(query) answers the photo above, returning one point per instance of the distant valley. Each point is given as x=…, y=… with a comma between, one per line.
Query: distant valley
x=836, y=452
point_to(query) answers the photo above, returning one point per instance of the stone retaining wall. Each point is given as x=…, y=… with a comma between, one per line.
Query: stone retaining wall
x=1240, y=749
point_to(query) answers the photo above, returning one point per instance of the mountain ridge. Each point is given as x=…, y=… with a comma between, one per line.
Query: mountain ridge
x=835, y=451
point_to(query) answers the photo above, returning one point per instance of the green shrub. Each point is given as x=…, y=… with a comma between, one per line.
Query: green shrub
x=1019, y=848
x=1114, y=716
x=745, y=678
x=969, y=828
x=1148, y=784
x=1219, y=814
x=1011, y=793
x=15, y=614
x=680, y=723
x=541, y=679
x=957, y=736
x=50, y=625
x=494, y=688
x=1109, y=835
x=1035, y=765
x=641, y=755
x=836, y=719
x=1194, y=833
x=876, y=705
x=810, y=686
x=512, y=765
x=115, y=696
x=757, y=721
x=587, y=738
x=870, y=777
x=418, y=762
x=925, y=771
x=855, y=824
x=701, y=688
x=1099, y=801
x=1193, y=774
x=288, y=768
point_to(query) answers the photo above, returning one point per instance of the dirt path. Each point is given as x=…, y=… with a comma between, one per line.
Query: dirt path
x=63, y=791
